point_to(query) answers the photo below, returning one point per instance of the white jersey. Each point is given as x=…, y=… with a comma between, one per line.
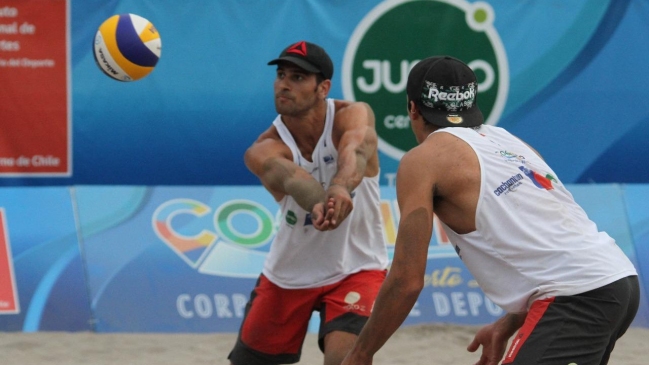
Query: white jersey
x=303, y=257
x=532, y=241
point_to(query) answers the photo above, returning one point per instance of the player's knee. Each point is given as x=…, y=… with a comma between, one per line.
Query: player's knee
x=336, y=345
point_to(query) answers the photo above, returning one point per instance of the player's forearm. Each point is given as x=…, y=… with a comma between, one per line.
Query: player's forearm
x=511, y=322
x=285, y=177
x=351, y=169
x=306, y=192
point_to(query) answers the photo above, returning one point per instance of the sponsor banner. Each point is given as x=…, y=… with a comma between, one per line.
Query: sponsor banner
x=49, y=280
x=185, y=259
x=451, y=295
x=8, y=297
x=173, y=258
x=547, y=71
x=35, y=115
x=636, y=198
x=384, y=47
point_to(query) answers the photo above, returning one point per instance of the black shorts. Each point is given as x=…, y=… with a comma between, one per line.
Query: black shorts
x=577, y=329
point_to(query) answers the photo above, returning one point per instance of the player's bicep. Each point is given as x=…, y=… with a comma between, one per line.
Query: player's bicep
x=357, y=132
x=415, y=183
x=268, y=160
x=415, y=198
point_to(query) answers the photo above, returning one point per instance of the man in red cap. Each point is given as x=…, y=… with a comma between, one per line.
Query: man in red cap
x=319, y=160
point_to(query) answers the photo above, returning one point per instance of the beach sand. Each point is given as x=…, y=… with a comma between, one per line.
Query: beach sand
x=412, y=345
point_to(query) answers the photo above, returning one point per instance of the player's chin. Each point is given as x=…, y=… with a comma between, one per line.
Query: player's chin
x=282, y=107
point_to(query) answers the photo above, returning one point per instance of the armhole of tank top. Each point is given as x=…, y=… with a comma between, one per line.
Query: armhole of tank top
x=288, y=140
x=378, y=174
x=329, y=124
x=478, y=207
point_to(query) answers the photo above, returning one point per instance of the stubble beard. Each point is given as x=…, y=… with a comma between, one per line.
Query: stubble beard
x=293, y=108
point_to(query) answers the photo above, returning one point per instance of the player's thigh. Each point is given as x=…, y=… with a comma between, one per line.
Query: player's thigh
x=347, y=305
x=275, y=324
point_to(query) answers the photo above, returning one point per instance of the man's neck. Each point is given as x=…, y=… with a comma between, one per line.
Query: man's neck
x=307, y=129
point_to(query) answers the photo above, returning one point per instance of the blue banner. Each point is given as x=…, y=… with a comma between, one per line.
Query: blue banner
x=186, y=258
x=566, y=77
x=173, y=259
x=636, y=198
x=49, y=278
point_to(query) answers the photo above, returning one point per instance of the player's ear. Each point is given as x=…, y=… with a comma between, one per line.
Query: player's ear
x=412, y=108
x=324, y=87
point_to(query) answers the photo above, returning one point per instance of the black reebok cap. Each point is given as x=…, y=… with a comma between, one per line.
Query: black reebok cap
x=445, y=89
x=307, y=56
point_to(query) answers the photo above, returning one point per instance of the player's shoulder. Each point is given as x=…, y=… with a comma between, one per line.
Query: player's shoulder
x=417, y=159
x=348, y=105
x=416, y=167
x=268, y=145
x=340, y=104
x=450, y=139
x=439, y=149
x=439, y=160
x=353, y=112
x=443, y=141
x=269, y=140
x=270, y=134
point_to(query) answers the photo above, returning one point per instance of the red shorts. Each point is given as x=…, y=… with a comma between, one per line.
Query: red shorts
x=276, y=319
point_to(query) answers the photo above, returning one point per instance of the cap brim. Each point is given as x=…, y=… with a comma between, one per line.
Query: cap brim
x=298, y=62
x=443, y=118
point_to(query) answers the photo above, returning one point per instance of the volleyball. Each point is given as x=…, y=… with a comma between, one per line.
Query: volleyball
x=127, y=47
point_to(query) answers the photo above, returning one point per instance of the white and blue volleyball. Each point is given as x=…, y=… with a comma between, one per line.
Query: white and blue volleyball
x=127, y=47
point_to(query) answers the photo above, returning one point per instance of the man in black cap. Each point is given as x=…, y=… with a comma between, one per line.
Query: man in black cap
x=319, y=160
x=568, y=290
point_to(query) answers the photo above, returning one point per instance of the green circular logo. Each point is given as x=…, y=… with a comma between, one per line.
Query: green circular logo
x=225, y=214
x=396, y=35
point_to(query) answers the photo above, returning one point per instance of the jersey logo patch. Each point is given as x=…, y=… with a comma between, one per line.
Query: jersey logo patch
x=291, y=218
x=541, y=182
x=328, y=159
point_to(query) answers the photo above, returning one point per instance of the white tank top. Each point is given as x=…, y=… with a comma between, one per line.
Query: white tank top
x=532, y=241
x=303, y=257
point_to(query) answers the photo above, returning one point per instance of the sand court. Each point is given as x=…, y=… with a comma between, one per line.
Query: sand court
x=412, y=345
